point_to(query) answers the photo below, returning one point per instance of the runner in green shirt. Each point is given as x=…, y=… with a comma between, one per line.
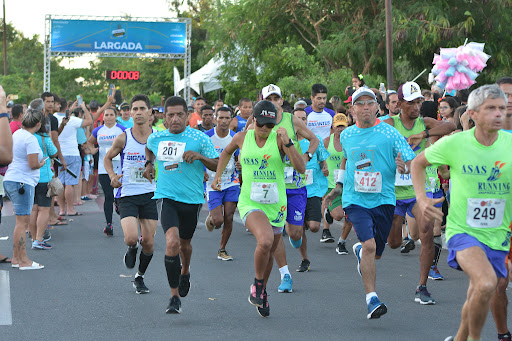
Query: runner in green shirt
x=477, y=228
x=262, y=203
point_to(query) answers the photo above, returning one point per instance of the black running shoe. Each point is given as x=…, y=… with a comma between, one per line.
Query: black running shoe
x=326, y=237
x=341, y=249
x=264, y=309
x=328, y=217
x=46, y=236
x=130, y=257
x=108, y=230
x=304, y=266
x=140, y=287
x=174, y=306
x=184, y=285
x=407, y=246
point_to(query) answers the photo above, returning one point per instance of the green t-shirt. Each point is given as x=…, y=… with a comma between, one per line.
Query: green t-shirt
x=333, y=162
x=293, y=179
x=481, y=202
x=403, y=182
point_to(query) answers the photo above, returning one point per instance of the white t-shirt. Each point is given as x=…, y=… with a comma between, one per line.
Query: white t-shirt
x=105, y=137
x=23, y=144
x=67, y=139
x=320, y=123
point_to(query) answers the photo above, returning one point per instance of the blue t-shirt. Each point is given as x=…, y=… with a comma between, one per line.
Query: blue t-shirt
x=383, y=118
x=320, y=183
x=508, y=131
x=126, y=124
x=80, y=136
x=45, y=172
x=372, y=150
x=178, y=180
x=241, y=123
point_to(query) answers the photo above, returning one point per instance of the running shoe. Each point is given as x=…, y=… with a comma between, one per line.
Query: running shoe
x=449, y=338
x=222, y=254
x=36, y=244
x=423, y=297
x=357, y=247
x=407, y=245
x=328, y=217
x=174, y=306
x=256, y=296
x=140, y=287
x=130, y=257
x=504, y=337
x=326, y=237
x=435, y=274
x=304, y=266
x=286, y=284
x=108, y=230
x=264, y=308
x=376, y=309
x=184, y=285
x=46, y=236
x=341, y=249
x=295, y=243
x=209, y=224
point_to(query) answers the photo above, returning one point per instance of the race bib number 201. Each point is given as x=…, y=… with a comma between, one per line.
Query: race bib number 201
x=485, y=213
x=368, y=182
x=171, y=151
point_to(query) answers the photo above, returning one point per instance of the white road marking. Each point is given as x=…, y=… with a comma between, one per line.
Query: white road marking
x=5, y=299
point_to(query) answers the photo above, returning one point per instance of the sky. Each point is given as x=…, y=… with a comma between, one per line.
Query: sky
x=28, y=16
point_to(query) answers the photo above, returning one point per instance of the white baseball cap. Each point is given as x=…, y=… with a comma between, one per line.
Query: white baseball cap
x=269, y=90
x=409, y=91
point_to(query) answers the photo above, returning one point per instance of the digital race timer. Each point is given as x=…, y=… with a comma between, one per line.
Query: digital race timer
x=123, y=75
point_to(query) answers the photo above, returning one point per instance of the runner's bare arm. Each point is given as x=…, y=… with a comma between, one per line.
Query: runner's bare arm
x=110, y=99
x=434, y=127
x=304, y=131
x=233, y=124
x=91, y=141
x=116, y=148
x=149, y=169
x=235, y=143
x=418, y=167
x=296, y=159
x=87, y=121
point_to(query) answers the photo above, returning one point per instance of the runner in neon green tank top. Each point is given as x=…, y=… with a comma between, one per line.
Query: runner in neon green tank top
x=477, y=227
x=262, y=203
x=409, y=124
x=296, y=191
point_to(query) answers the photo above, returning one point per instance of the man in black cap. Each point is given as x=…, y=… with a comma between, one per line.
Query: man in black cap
x=262, y=203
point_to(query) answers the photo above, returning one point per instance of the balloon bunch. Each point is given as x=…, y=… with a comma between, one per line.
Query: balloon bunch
x=457, y=68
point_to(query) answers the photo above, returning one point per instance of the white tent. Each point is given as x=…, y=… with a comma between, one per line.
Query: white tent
x=205, y=77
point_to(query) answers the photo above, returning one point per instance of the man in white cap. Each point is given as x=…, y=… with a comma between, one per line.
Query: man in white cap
x=416, y=130
x=372, y=152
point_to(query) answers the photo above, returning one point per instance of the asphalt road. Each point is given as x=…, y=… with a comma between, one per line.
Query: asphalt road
x=85, y=292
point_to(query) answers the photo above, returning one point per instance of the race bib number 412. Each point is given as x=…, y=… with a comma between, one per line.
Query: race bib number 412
x=368, y=182
x=171, y=151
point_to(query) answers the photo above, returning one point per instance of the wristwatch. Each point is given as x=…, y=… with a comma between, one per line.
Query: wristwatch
x=309, y=155
x=148, y=162
x=289, y=144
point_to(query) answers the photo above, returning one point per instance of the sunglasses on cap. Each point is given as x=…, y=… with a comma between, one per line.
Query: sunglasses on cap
x=268, y=125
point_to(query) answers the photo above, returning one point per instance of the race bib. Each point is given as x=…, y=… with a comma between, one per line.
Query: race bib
x=136, y=175
x=309, y=177
x=403, y=179
x=226, y=174
x=171, y=151
x=368, y=182
x=336, y=174
x=485, y=213
x=117, y=157
x=288, y=175
x=264, y=193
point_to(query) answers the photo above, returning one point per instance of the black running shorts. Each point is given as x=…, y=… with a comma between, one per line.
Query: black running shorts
x=141, y=206
x=180, y=215
x=314, y=209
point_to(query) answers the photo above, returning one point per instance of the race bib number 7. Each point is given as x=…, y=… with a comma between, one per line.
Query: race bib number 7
x=171, y=151
x=485, y=213
x=368, y=182
x=264, y=193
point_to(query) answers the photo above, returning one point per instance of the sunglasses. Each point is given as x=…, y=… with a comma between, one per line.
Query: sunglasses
x=268, y=125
